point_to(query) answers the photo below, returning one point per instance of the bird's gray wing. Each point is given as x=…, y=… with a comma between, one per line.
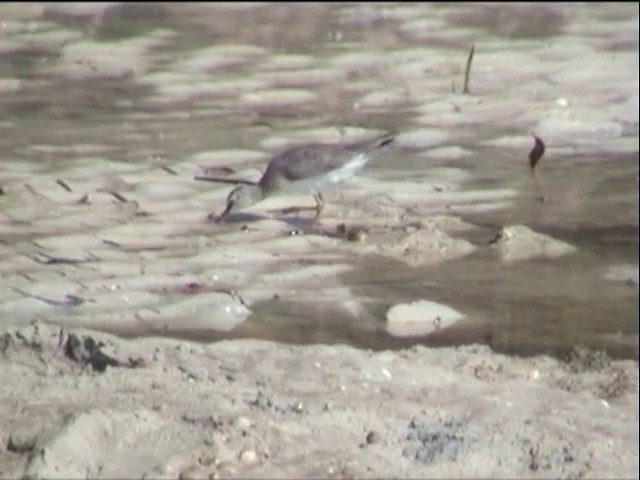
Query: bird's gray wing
x=310, y=161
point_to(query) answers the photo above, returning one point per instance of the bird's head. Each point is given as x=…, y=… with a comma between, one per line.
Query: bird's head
x=241, y=197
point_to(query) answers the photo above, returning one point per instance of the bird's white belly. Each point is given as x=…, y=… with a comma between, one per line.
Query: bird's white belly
x=320, y=182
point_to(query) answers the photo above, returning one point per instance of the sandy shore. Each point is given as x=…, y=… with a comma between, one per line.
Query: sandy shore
x=78, y=403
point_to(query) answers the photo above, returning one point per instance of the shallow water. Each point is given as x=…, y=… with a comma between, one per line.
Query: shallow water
x=102, y=95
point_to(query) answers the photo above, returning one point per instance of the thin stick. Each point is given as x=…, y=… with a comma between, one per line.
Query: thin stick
x=64, y=185
x=169, y=170
x=467, y=72
x=118, y=196
x=36, y=193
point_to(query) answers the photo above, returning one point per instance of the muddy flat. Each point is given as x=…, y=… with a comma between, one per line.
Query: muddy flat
x=465, y=307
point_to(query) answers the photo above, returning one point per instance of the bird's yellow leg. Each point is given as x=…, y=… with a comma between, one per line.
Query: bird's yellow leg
x=319, y=205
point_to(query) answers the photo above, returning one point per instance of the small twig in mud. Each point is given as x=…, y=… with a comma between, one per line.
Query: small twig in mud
x=111, y=243
x=64, y=185
x=117, y=196
x=73, y=300
x=151, y=248
x=62, y=335
x=467, y=71
x=45, y=259
x=37, y=194
x=224, y=180
x=262, y=123
x=536, y=152
x=169, y=170
x=235, y=295
x=67, y=301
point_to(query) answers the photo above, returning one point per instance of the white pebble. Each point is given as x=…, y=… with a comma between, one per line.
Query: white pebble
x=248, y=457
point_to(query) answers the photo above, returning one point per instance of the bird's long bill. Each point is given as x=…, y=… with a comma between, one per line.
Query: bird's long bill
x=222, y=216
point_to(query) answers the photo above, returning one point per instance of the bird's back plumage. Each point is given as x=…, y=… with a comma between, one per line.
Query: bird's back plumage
x=309, y=162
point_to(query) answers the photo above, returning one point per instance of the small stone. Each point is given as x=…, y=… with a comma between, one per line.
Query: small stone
x=160, y=470
x=298, y=408
x=357, y=234
x=208, y=458
x=261, y=401
x=224, y=454
x=248, y=457
x=266, y=453
x=372, y=437
x=22, y=441
x=243, y=423
x=197, y=418
x=420, y=317
x=84, y=200
x=228, y=468
x=193, y=472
